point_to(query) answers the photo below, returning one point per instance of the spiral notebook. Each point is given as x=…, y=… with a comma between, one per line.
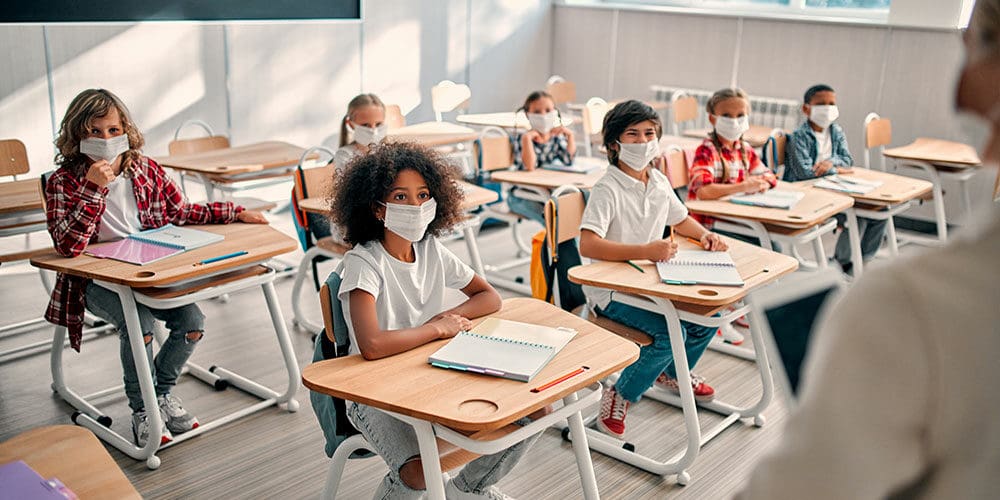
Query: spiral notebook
x=774, y=198
x=154, y=244
x=698, y=267
x=503, y=348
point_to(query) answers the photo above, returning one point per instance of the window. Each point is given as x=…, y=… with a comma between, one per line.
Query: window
x=864, y=9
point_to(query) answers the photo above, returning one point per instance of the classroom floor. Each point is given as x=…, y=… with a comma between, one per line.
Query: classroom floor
x=276, y=454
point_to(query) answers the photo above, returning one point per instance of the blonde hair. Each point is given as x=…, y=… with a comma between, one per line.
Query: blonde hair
x=985, y=22
x=359, y=101
x=85, y=107
x=718, y=97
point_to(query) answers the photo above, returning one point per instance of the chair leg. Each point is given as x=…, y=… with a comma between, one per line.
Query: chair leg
x=891, y=233
x=339, y=461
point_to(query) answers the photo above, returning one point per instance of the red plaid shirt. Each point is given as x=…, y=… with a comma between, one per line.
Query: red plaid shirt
x=710, y=164
x=74, y=206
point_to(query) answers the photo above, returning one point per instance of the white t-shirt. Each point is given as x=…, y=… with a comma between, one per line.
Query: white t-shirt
x=824, y=145
x=345, y=154
x=625, y=210
x=121, y=215
x=407, y=294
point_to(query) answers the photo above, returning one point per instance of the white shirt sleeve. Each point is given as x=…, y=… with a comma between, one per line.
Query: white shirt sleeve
x=358, y=273
x=600, y=211
x=457, y=274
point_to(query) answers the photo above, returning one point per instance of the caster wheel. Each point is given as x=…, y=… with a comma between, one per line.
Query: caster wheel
x=104, y=420
x=565, y=434
x=74, y=416
x=295, y=322
x=221, y=385
x=212, y=368
x=292, y=406
x=759, y=421
x=224, y=299
x=629, y=447
x=683, y=478
x=153, y=462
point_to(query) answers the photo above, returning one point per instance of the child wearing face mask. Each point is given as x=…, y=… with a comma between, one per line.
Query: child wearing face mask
x=391, y=204
x=106, y=189
x=625, y=219
x=546, y=142
x=819, y=148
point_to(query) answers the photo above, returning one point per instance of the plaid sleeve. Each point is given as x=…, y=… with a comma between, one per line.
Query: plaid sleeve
x=73, y=210
x=702, y=170
x=757, y=167
x=180, y=212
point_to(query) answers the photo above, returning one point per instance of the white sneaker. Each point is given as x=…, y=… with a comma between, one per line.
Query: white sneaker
x=451, y=492
x=140, y=430
x=730, y=335
x=175, y=417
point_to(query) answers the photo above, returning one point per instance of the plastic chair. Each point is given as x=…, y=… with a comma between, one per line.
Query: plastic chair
x=684, y=109
x=394, y=116
x=562, y=90
x=773, y=152
x=593, y=121
x=449, y=96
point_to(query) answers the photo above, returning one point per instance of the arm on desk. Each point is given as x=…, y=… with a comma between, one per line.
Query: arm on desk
x=708, y=240
x=595, y=247
x=482, y=299
x=376, y=343
x=73, y=208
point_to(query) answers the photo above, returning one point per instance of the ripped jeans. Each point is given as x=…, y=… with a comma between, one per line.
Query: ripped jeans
x=166, y=367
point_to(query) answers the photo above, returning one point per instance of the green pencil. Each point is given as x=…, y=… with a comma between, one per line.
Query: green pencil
x=637, y=268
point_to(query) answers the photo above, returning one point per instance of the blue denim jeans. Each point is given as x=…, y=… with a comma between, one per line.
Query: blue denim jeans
x=871, y=231
x=656, y=357
x=396, y=442
x=173, y=353
x=531, y=209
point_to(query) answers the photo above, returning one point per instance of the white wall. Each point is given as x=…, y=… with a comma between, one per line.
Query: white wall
x=284, y=81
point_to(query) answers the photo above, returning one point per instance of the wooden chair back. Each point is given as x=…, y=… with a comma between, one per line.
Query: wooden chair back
x=13, y=158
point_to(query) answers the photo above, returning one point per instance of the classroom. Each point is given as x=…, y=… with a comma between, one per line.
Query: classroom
x=496, y=249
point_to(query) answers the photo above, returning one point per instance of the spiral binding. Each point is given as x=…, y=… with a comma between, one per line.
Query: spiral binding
x=509, y=341
x=698, y=263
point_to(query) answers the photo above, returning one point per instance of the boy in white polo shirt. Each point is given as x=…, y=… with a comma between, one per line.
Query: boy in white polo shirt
x=626, y=216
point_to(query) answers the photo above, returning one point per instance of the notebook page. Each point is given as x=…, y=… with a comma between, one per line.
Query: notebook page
x=132, y=251
x=492, y=356
x=557, y=338
x=774, y=198
x=694, y=267
x=178, y=237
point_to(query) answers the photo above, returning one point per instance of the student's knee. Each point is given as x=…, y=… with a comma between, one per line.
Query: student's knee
x=193, y=336
x=146, y=337
x=412, y=474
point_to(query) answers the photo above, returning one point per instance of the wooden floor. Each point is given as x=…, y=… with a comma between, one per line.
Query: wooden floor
x=275, y=454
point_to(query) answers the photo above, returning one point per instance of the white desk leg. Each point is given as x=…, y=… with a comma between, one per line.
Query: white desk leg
x=581, y=448
x=287, y=351
x=469, y=232
x=855, y=240
x=684, y=381
x=430, y=458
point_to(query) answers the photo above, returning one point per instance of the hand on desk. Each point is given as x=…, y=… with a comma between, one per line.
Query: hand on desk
x=448, y=325
x=659, y=250
x=252, y=217
x=755, y=185
x=822, y=167
x=845, y=170
x=713, y=242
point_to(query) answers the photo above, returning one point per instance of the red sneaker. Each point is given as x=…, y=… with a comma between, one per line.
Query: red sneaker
x=614, y=408
x=702, y=391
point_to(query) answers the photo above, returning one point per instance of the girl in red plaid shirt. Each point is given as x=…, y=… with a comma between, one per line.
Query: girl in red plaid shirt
x=105, y=189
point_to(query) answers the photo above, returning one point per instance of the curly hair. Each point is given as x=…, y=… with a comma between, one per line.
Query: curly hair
x=367, y=179
x=86, y=106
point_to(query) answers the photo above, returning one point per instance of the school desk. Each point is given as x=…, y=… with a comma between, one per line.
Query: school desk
x=238, y=168
x=757, y=134
x=21, y=207
x=475, y=411
x=894, y=196
x=474, y=197
x=503, y=119
x=172, y=282
x=804, y=223
x=73, y=456
x=940, y=159
x=434, y=134
x=758, y=267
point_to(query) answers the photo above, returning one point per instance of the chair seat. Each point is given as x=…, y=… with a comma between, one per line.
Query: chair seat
x=331, y=245
x=641, y=339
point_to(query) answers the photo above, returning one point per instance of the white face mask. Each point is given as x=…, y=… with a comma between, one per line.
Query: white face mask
x=409, y=221
x=366, y=136
x=543, y=122
x=731, y=129
x=638, y=155
x=823, y=115
x=104, y=149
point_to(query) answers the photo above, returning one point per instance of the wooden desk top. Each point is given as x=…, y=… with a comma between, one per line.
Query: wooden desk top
x=817, y=206
x=21, y=196
x=434, y=133
x=547, y=179
x=74, y=456
x=475, y=196
x=260, y=241
x=895, y=189
x=756, y=136
x=407, y=384
x=503, y=119
x=936, y=151
x=756, y=265
x=237, y=160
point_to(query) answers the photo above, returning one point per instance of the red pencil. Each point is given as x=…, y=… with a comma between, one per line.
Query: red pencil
x=561, y=379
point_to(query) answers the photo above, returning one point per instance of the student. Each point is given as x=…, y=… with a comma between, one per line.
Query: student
x=546, y=142
x=724, y=164
x=626, y=216
x=391, y=204
x=818, y=147
x=106, y=189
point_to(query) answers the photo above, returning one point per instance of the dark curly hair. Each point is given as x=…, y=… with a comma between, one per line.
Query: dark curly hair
x=366, y=180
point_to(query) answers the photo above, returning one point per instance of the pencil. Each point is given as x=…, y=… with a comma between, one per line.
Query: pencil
x=637, y=268
x=671, y=234
x=561, y=379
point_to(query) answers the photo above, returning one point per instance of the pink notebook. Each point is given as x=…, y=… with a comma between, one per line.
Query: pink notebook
x=132, y=251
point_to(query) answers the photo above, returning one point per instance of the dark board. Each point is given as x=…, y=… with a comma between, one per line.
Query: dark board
x=97, y=11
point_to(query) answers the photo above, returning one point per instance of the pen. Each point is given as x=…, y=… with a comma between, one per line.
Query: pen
x=637, y=268
x=561, y=379
x=222, y=257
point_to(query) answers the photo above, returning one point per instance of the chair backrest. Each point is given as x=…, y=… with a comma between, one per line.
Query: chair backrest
x=774, y=152
x=310, y=182
x=563, y=214
x=676, y=167
x=448, y=96
x=593, y=115
x=13, y=158
x=561, y=90
x=878, y=134
x=684, y=109
x=208, y=142
x=494, y=150
x=394, y=116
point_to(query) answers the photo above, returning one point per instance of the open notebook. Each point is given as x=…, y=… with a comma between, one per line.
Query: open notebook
x=774, y=198
x=154, y=244
x=846, y=184
x=503, y=348
x=581, y=165
x=699, y=267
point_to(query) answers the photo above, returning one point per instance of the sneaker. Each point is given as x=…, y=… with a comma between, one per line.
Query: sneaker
x=702, y=391
x=176, y=418
x=452, y=492
x=742, y=321
x=614, y=408
x=140, y=430
x=730, y=335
